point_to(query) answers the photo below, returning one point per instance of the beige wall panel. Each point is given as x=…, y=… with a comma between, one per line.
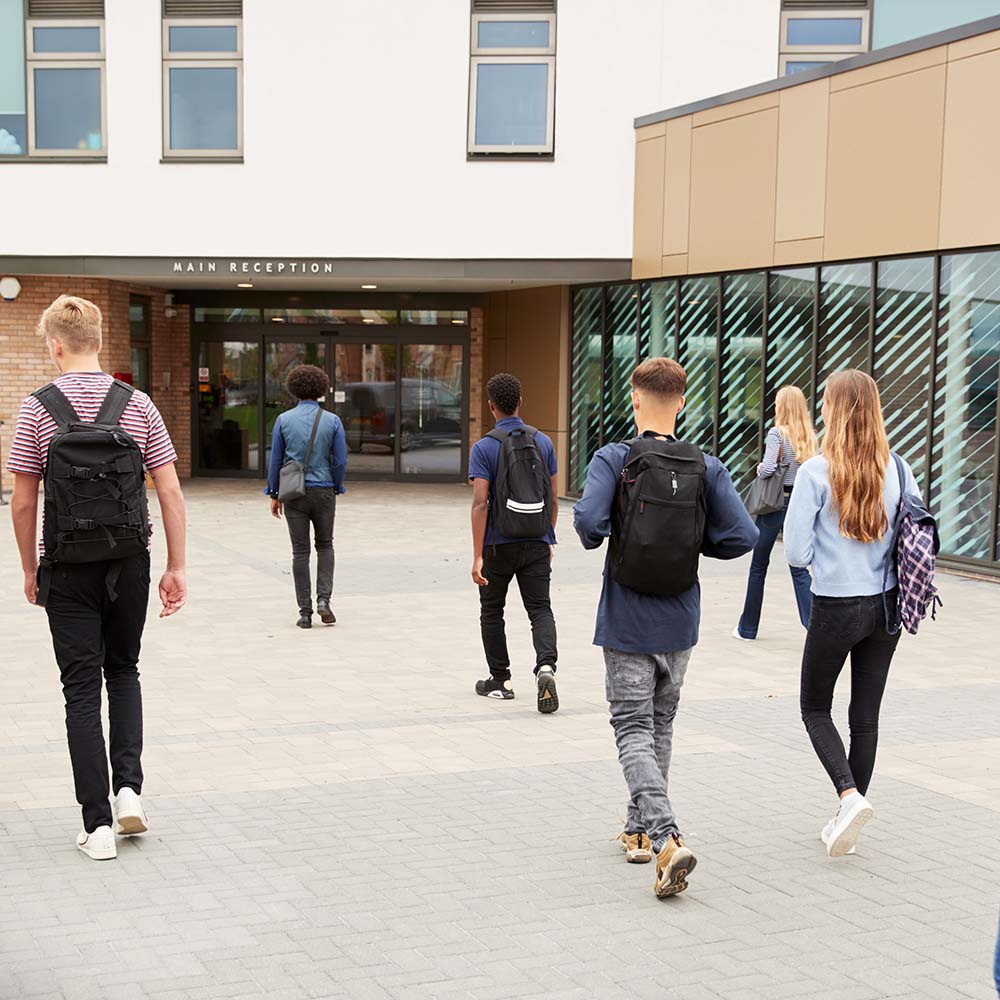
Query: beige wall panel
x=798, y=252
x=745, y=107
x=674, y=264
x=650, y=132
x=802, y=130
x=647, y=222
x=970, y=194
x=974, y=46
x=535, y=322
x=677, y=187
x=884, y=167
x=890, y=68
x=733, y=170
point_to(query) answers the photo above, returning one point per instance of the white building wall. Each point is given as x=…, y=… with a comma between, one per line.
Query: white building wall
x=355, y=135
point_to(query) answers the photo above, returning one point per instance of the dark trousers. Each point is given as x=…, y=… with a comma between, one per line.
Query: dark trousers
x=317, y=510
x=93, y=635
x=842, y=627
x=531, y=564
x=769, y=526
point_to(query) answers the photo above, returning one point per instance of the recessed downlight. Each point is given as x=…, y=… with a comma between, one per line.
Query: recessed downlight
x=245, y=284
x=459, y=322
x=369, y=287
x=368, y=319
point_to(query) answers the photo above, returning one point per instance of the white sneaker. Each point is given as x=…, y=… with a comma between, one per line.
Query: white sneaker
x=131, y=817
x=742, y=638
x=854, y=812
x=827, y=830
x=99, y=845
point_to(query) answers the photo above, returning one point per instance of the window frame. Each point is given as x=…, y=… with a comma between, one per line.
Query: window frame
x=31, y=55
x=837, y=14
x=536, y=50
x=545, y=149
x=821, y=57
x=197, y=154
x=63, y=63
x=202, y=22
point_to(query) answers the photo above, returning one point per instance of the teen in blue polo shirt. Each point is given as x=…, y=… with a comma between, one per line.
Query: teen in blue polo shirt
x=498, y=560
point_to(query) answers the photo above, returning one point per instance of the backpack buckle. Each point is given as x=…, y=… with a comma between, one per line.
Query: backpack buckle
x=81, y=472
x=84, y=524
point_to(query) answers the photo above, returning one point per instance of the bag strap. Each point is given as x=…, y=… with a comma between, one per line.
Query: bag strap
x=901, y=473
x=114, y=404
x=312, y=436
x=893, y=624
x=58, y=407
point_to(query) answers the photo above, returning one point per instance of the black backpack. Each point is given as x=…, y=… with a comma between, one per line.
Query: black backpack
x=521, y=505
x=95, y=487
x=659, y=519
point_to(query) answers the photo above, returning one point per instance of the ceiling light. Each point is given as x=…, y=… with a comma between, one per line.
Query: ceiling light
x=368, y=319
x=369, y=286
x=277, y=319
x=245, y=284
x=459, y=322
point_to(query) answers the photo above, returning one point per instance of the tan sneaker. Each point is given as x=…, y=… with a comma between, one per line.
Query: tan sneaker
x=637, y=847
x=673, y=865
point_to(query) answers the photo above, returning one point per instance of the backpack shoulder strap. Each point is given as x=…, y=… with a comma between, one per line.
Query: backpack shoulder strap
x=114, y=404
x=498, y=435
x=58, y=407
x=901, y=473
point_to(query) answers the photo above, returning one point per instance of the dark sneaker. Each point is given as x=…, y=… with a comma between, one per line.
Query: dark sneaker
x=305, y=620
x=673, y=865
x=493, y=688
x=548, y=697
x=326, y=616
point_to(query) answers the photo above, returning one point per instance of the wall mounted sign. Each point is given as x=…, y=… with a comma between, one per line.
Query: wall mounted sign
x=241, y=266
x=203, y=375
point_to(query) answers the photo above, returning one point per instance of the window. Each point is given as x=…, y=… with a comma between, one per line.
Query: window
x=817, y=32
x=52, y=86
x=141, y=341
x=202, y=79
x=512, y=78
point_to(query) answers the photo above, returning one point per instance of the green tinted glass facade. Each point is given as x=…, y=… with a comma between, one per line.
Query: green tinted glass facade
x=927, y=328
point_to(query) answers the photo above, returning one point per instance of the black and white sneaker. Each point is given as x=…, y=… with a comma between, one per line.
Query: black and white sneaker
x=548, y=697
x=493, y=688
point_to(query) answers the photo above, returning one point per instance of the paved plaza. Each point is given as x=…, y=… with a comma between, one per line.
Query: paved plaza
x=336, y=814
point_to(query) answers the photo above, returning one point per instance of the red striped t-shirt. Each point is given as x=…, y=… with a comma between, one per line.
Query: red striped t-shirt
x=86, y=391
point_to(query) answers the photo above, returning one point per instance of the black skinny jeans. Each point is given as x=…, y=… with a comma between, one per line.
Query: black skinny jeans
x=93, y=635
x=531, y=564
x=838, y=627
x=317, y=509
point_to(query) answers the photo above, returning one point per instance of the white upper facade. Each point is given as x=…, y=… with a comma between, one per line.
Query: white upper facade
x=355, y=135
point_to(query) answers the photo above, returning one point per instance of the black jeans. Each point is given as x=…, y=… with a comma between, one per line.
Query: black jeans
x=531, y=564
x=93, y=635
x=317, y=508
x=840, y=626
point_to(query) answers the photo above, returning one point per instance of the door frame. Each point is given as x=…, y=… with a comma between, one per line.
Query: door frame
x=264, y=333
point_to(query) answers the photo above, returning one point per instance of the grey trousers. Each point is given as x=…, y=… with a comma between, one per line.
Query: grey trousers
x=316, y=509
x=643, y=691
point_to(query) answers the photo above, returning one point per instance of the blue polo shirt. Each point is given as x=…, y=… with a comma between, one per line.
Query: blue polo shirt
x=483, y=465
x=650, y=623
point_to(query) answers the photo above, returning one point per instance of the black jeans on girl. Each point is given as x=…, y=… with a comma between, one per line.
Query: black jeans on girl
x=840, y=627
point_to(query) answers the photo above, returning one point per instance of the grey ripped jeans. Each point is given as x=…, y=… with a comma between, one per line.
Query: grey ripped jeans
x=317, y=508
x=643, y=691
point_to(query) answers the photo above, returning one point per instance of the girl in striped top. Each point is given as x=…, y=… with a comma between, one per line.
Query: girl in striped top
x=791, y=441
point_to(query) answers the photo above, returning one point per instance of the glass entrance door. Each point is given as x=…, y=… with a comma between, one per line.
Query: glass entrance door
x=366, y=400
x=229, y=406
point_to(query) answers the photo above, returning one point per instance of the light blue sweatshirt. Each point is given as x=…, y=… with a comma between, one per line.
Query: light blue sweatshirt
x=841, y=567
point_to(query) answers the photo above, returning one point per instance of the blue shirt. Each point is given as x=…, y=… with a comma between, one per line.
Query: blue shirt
x=841, y=567
x=483, y=465
x=650, y=623
x=328, y=458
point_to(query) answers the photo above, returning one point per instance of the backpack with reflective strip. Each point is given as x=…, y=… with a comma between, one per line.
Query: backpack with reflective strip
x=521, y=505
x=95, y=488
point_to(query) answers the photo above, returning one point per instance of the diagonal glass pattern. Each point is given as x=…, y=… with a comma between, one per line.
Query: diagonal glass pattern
x=742, y=345
x=789, y=334
x=965, y=411
x=621, y=327
x=844, y=306
x=585, y=383
x=904, y=322
x=658, y=319
x=697, y=352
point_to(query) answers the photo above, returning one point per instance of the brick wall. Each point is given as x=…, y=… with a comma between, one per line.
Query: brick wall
x=475, y=376
x=25, y=363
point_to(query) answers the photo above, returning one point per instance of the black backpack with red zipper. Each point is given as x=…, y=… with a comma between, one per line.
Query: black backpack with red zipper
x=658, y=521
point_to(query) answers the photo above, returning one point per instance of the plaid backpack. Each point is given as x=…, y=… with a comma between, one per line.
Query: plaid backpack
x=914, y=545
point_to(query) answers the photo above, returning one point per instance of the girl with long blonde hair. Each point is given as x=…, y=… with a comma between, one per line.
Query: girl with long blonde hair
x=840, y=522
x=789, y=443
